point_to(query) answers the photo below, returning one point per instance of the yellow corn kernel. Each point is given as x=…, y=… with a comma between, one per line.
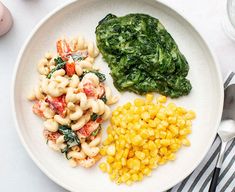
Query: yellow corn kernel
x=157, y=142
x=149, y=98
x=140, y=176
x=180, y=123
x=111, y=150
x=131, y=154
x=151, y=145
x=152, y=123
x=145, y=161
x=127, y=105
x=109, y=130
x=162, y=134
x=137, y=140
x=139, y=102
x=134, y=177
x=162, y=99
x=103, y=151
x=125, y=177
x=145, y=116
x=136, y=164
x=106, y=142
x=129, y=182
x=185, y=131
x=146, y=151
x=113, y=176
x=171, y=157
x=169, y=112
x=110, y=138
x=140, y=155
x=146, y=171
x=151, y=132
x=110, y=159
x=157, y=134
x=163, y=150
x=123, y=161
x=115, y=113
x=161, y=116
x=169, y=135
x=172, y=106
x=181, y=110
x=190, y=115
x=117, y=165
x=165, y=142
x=144, y=134
x=172, y=119
x=174, y=129
x=154, y=153
x=110, y=170
x=153, y=160
x=119, y=181
x=103, y=167
x=186, y=142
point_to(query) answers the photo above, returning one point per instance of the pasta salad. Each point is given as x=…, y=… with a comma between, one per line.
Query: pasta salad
x=73, y=100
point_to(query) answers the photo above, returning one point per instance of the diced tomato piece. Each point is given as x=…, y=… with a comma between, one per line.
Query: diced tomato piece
x=99, y=120
x=70, y=69
x=57, y=104
x=37, y=109
x=89, y=89
x=52, y=136
x=88, y=128
x=63, y=49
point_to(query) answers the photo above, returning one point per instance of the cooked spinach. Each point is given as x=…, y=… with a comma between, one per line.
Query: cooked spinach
x=94, y=133
x=65, y=151
x=60, y=64
x=69, y=135
x=78, y=57
x=101, y=76
x=104, y=99
x=94, y=116
x=142, y=55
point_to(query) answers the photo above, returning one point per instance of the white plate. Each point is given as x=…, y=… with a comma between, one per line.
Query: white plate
x=206, y=97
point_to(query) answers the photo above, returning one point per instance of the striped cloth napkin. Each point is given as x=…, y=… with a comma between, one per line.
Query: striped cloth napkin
x=199, y=180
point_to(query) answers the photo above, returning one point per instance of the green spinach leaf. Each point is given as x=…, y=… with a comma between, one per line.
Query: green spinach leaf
x=78, y=57
x=94, y=116
x=94, y=133
x=104, y=99
x=60, y=64
x=101, y=76
x=69, y=135
x=142, y=55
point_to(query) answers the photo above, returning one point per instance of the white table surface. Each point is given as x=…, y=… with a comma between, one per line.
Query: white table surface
x=17, y=171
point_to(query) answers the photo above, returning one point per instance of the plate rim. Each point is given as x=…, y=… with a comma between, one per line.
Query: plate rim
x=17, y=64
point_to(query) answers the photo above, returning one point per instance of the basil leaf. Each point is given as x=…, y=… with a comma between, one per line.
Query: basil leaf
x=101, y=76
x=60, y=64
x=104, y=99
x=94, y=116
x=94, y=133
x=78, y=57
x=69, y=135
x=65, y=151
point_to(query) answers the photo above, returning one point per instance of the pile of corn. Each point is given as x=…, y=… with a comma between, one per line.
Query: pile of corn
x=142, y=136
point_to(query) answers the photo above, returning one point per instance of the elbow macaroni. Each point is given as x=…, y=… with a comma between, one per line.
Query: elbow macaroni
x=70, y=101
